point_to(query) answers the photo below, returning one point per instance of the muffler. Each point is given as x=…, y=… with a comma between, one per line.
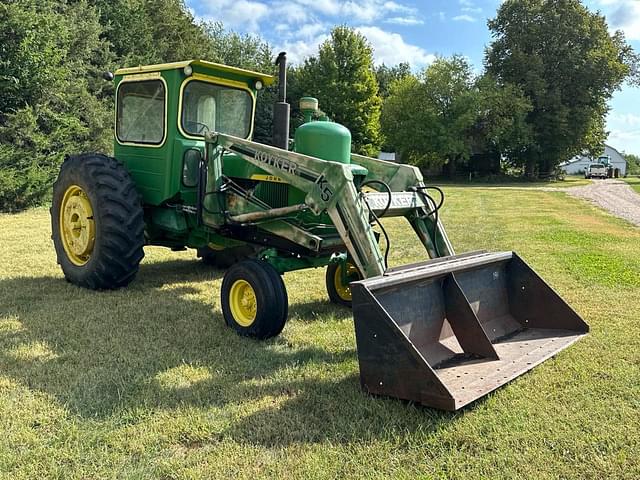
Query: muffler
x=448, y=331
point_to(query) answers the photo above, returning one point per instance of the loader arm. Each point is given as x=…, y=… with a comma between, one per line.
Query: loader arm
x=328, y=186
x=407, y=178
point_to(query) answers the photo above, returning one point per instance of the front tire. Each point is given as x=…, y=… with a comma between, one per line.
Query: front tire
x=338, y=289
x=254, y=299
x=97, y=222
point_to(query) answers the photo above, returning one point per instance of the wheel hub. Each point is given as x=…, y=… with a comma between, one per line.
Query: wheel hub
x=77, y=226
x=243, y=302
x=342, y=287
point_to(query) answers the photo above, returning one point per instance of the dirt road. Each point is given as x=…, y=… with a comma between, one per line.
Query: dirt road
x=615, y=196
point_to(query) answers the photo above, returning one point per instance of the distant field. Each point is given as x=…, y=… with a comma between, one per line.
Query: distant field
x=147, y=382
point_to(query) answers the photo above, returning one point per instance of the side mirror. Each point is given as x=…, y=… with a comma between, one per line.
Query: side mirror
x=191, y=167
x=108, y=76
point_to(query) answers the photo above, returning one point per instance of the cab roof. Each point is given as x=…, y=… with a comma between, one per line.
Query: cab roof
x=266, y=79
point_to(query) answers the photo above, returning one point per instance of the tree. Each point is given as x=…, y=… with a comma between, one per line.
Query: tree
x=53, y=100
x=430, y=118
x=50, y=104
x=501, y=124
x=633, y=164
x=343, y=79
x=387, y=75
x=567, y=64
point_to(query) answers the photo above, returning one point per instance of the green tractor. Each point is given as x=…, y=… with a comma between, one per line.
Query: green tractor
x=186, y=174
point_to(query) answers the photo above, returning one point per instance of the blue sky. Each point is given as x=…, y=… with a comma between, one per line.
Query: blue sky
x=412, y=31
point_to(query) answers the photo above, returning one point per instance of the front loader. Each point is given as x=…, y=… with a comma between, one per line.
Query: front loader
x=186, y=174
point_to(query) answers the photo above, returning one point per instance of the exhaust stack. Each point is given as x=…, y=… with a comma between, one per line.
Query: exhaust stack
x=281, y=108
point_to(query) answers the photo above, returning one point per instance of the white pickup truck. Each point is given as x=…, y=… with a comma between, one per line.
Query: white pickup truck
x=596, y=170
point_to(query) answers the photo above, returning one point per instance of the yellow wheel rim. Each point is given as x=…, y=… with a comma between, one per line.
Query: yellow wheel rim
x=243, y=302
x=77, y=226
x=343, y=289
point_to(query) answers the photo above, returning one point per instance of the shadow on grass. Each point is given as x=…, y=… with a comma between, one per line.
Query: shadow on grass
x=158, y=346
x=317, y=311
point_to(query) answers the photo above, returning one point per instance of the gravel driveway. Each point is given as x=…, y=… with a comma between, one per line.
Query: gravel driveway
x=615, y=196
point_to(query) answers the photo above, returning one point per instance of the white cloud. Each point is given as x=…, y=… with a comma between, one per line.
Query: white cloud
x=624, y=131
x=299, y=49
x=628, y=141
x=395, y=7
x=623, y=15
x=464, y=18
x=311, y=30
x=246, y=14
x=626, y=17
x=254, y=15
x=391, y=49
x=405, y=21
x=388, y=47
x=367, y=11
x=289, y=12
x=626, y=119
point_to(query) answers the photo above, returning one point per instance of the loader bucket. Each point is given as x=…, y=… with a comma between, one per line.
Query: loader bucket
x=450, y=330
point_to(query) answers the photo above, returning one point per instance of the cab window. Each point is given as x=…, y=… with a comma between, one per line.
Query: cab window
x=140, y=112
x=207, y=107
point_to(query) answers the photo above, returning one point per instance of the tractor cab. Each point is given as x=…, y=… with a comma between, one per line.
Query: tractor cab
x=163, y=113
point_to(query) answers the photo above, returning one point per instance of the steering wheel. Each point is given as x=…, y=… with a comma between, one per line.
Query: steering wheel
x=200, y=127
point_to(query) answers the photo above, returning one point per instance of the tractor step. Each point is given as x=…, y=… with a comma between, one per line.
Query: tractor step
x=450, y=330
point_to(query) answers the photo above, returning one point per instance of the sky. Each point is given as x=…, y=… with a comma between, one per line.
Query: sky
x=413, y=31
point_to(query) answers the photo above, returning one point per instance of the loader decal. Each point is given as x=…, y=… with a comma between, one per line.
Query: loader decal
x=325, y=190
x=277, y=162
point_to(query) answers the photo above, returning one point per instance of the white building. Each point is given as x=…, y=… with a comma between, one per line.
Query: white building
x=611, y=156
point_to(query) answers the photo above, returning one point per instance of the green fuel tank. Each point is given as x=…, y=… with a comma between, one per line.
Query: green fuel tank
x=324, y=139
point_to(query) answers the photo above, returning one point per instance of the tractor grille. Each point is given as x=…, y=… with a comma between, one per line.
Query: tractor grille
x=275, y=194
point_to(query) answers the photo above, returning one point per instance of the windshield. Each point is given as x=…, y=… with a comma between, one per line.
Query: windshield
x=215, y=108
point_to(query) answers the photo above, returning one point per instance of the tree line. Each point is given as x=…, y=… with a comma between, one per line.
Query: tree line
x=53, y=99
x=549, y=71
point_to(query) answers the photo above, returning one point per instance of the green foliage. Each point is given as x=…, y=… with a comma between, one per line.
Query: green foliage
x=442, y=105
x=342, y=77
x=568, y=65
x=53, y=100
x=633, y=164
x=501, y=123
x=551, y=69
x=387, y=75
x=49, y=104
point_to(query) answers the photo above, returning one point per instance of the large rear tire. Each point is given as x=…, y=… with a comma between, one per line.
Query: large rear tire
x=97, y=222
x=254, y=299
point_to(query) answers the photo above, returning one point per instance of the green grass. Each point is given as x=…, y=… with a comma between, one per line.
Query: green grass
x=147, y=382
x=634, y=182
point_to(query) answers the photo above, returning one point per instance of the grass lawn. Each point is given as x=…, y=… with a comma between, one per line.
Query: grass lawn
x=634, y=182
x=147, y=382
